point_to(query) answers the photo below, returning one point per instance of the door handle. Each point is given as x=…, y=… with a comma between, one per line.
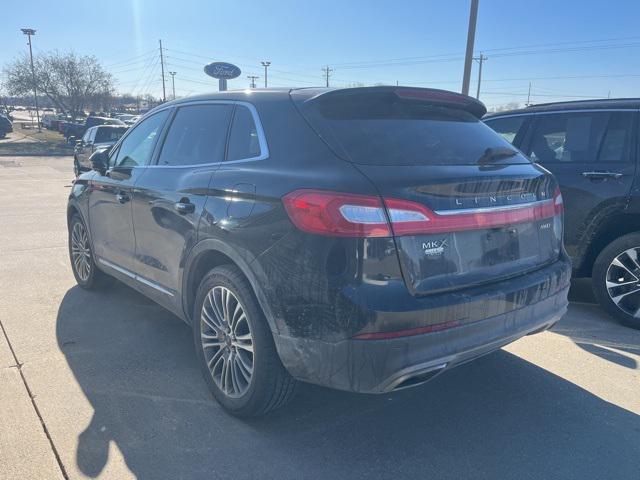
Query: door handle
x=123, y=197
x=184, y=207
x=601, y=175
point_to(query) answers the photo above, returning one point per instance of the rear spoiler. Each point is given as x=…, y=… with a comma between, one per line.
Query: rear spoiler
x=432, y=96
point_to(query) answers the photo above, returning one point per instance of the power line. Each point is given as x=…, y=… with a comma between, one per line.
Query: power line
x=404, y=61
x=129, y=59
x=150, y=65
x=244, y=65
x=132, y=61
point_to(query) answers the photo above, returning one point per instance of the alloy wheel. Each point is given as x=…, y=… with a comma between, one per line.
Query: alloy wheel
x=623, y=281
x=227, y=341
x=81, y=251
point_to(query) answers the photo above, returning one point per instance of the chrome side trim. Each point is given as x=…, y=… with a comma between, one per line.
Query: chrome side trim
x=153, y=285
x=133, y=276
x=116, y=267
x=501, y=208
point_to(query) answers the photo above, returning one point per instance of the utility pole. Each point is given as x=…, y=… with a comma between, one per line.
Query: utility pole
x=28, y=32
x=327, y=73
x=265, y=65
x=253, y=79
x=480, y=60
x=164, y=94
x=529, y=95
x=471, y=36
x=173, y=83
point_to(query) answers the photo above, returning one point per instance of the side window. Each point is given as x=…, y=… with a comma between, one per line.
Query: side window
x=568, y=137
x=87, y=135
x=136, y=149
x=616, y=144
x=507, y=127
x=243, y=139
x=197, y=135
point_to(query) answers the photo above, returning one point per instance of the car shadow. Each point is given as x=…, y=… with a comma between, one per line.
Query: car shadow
x=498, y=417
x=593, y=330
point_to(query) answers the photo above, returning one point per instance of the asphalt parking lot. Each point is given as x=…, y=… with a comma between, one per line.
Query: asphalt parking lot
x=105, y=385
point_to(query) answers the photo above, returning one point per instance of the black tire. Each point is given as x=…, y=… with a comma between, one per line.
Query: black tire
x=270, y=385
x=95, y=278
x=622, y=311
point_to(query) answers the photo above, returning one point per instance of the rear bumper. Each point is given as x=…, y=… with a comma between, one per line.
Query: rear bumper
x=379, y=366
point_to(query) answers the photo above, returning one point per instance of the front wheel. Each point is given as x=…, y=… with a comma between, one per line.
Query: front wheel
x=616, y=279
x=235, y=348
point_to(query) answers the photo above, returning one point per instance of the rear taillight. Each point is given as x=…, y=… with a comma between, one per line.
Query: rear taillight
x=349, y=215
x=468, y=219
x=337, y=214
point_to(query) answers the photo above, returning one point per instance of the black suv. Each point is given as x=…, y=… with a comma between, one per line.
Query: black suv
x=364, y=239
x=5, y=126
x=592, y=149
x=100, y=137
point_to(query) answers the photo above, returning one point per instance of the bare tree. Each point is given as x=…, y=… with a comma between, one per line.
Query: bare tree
x=72, y=82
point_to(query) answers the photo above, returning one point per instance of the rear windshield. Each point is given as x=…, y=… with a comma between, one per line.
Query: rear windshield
x=383, y=129
x=104, y=135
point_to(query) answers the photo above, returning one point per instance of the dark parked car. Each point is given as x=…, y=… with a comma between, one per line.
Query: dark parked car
x=364, y=239
x=592, y=149
x=101, y=137
x=5, y=126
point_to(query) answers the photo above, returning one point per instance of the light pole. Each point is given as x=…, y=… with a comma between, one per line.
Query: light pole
x=28, y=32
x=265, y=65
x=173, y=83
x=471, y=36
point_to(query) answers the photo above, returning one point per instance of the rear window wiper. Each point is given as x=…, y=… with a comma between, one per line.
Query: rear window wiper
x=496, y=154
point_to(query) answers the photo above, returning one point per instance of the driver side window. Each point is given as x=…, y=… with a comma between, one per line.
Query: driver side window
x=87, y=135
x=136, y=149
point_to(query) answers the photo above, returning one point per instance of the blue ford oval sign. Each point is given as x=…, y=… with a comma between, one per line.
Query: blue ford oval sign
x=222, y=70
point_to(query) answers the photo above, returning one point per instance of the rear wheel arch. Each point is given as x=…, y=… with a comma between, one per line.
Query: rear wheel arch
x=204, y=257
x=612, y=228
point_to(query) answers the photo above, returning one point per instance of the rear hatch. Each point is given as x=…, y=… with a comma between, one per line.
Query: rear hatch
x=464, y=206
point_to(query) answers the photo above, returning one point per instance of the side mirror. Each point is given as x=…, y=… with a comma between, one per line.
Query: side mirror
x=99, y=161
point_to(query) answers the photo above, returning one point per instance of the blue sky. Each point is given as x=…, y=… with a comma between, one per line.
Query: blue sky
x=413, y=42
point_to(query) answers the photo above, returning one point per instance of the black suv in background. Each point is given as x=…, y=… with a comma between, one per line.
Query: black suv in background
x=364, y=239
x=100, y=137
x=592, y=149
